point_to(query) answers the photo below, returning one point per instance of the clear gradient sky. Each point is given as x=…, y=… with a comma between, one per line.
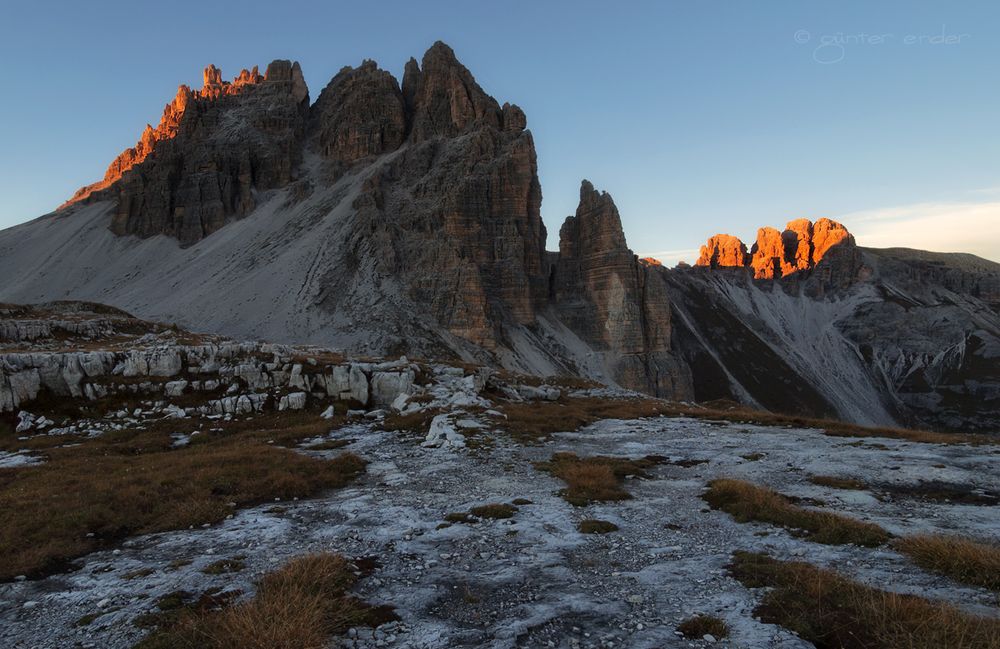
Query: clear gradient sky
x=697, y=116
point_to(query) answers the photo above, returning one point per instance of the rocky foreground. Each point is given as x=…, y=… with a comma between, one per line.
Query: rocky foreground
x=461, y=512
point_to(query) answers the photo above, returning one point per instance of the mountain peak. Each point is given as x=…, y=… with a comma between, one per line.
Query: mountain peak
x=443, y=98
x=800, y=246
x=213, y=89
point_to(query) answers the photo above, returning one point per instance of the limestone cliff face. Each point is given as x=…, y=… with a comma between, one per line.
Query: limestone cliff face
x=211, y=151
x=912, y=339
x=801, y=246
x=443, y=98
x=454, y=214
x=723, y=250
x=612, y=300
x=359, y=114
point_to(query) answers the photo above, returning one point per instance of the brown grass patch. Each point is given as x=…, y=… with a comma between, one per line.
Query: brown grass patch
x=300, y=606
x=745, y=502
x=530, y=422
x=938, y=491
x=699, y=626
x=533, y=421
x=561, y=381
x=132, y=482
x=594, y=479
x=834, y=612
x=494, y=510
x=837, y=483
x=411, y=422
x=965, y=560
x=595, y=526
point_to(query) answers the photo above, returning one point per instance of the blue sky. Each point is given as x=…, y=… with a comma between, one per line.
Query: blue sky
x=697, y=116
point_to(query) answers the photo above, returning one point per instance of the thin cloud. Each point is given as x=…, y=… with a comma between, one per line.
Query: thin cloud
x=939, y=227
x=671, y=257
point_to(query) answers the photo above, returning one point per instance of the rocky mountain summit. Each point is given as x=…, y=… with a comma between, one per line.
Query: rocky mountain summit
x=212, y=149
x=412, y=208
x=801, y=246
x=391, y=218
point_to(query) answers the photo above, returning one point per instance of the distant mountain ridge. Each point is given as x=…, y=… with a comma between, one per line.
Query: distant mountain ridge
x=405, y=218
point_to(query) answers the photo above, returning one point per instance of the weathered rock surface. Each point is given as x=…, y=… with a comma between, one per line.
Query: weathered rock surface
x=212, y=150
x=723, y=250
x=801, y=246
x=912, y=338
x=359, y=114
x=443, y=98
x=612, y=301
x=455, y=215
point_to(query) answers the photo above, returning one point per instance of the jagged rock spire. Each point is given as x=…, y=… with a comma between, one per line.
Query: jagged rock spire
x=800, y=246
x=443, y=98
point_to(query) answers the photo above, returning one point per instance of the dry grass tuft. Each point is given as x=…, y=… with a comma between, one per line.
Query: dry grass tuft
x=224, y=566
x=300, y=606
x=939, y=491
x=132, y=482
x=595, y=479
x=832, y=611
x=494, y=510
x=970, y=562
x=746, y=502
x=474, y=515
x=595, y=526
x=533, y=421
x=411, y=422
x=837, y=483
x=699, y=626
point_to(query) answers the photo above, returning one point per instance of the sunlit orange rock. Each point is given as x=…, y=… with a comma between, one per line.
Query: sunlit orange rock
x=797, y=242
x=213, y=88
x=723, y=250
x=650, y=261
x=767, y=254
x=213, y=147
x=799, y=247
x=826, y=235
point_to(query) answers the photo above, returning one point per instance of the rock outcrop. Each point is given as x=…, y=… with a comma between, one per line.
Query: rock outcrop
x=212, y=150
x=443, y=98
x=800, y=247
x=454, y=215
x=612, y=301
x=359, y=114
x=723, y=250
